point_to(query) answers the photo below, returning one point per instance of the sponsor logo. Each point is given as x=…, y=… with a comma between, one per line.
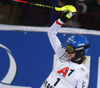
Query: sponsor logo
x=9, y=78
x=83, y=84
x=79, y=48
x=81, y=44
x=63, y=58
x=86, y=76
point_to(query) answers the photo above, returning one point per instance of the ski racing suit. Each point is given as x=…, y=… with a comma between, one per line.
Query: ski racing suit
x=65, y=73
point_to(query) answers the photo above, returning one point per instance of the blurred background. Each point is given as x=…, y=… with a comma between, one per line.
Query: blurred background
x=16, y=13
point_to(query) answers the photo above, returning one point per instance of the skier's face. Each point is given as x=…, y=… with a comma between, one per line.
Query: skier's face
x=70, y=56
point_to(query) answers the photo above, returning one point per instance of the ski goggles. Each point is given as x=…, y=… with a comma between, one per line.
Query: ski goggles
x=71, y=50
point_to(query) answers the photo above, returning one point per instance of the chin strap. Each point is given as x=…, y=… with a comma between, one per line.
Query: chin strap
x=78, y=62
x=78, y=55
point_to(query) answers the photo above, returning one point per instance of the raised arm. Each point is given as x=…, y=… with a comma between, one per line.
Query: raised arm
x=52, y=33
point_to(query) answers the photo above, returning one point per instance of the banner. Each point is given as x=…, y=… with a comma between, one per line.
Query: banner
x=26, y=59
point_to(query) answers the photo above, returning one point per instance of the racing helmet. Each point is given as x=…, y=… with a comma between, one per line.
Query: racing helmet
x=79, y=44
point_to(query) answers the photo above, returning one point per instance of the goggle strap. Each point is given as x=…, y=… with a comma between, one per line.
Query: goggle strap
x=83, y=47
x=87, y=46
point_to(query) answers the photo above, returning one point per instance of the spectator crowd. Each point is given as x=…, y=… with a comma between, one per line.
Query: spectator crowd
x=14, y=13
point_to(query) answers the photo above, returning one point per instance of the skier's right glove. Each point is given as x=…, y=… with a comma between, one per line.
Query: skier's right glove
x=68, y=12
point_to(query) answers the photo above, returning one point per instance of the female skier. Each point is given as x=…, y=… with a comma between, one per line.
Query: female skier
x=69, y=70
